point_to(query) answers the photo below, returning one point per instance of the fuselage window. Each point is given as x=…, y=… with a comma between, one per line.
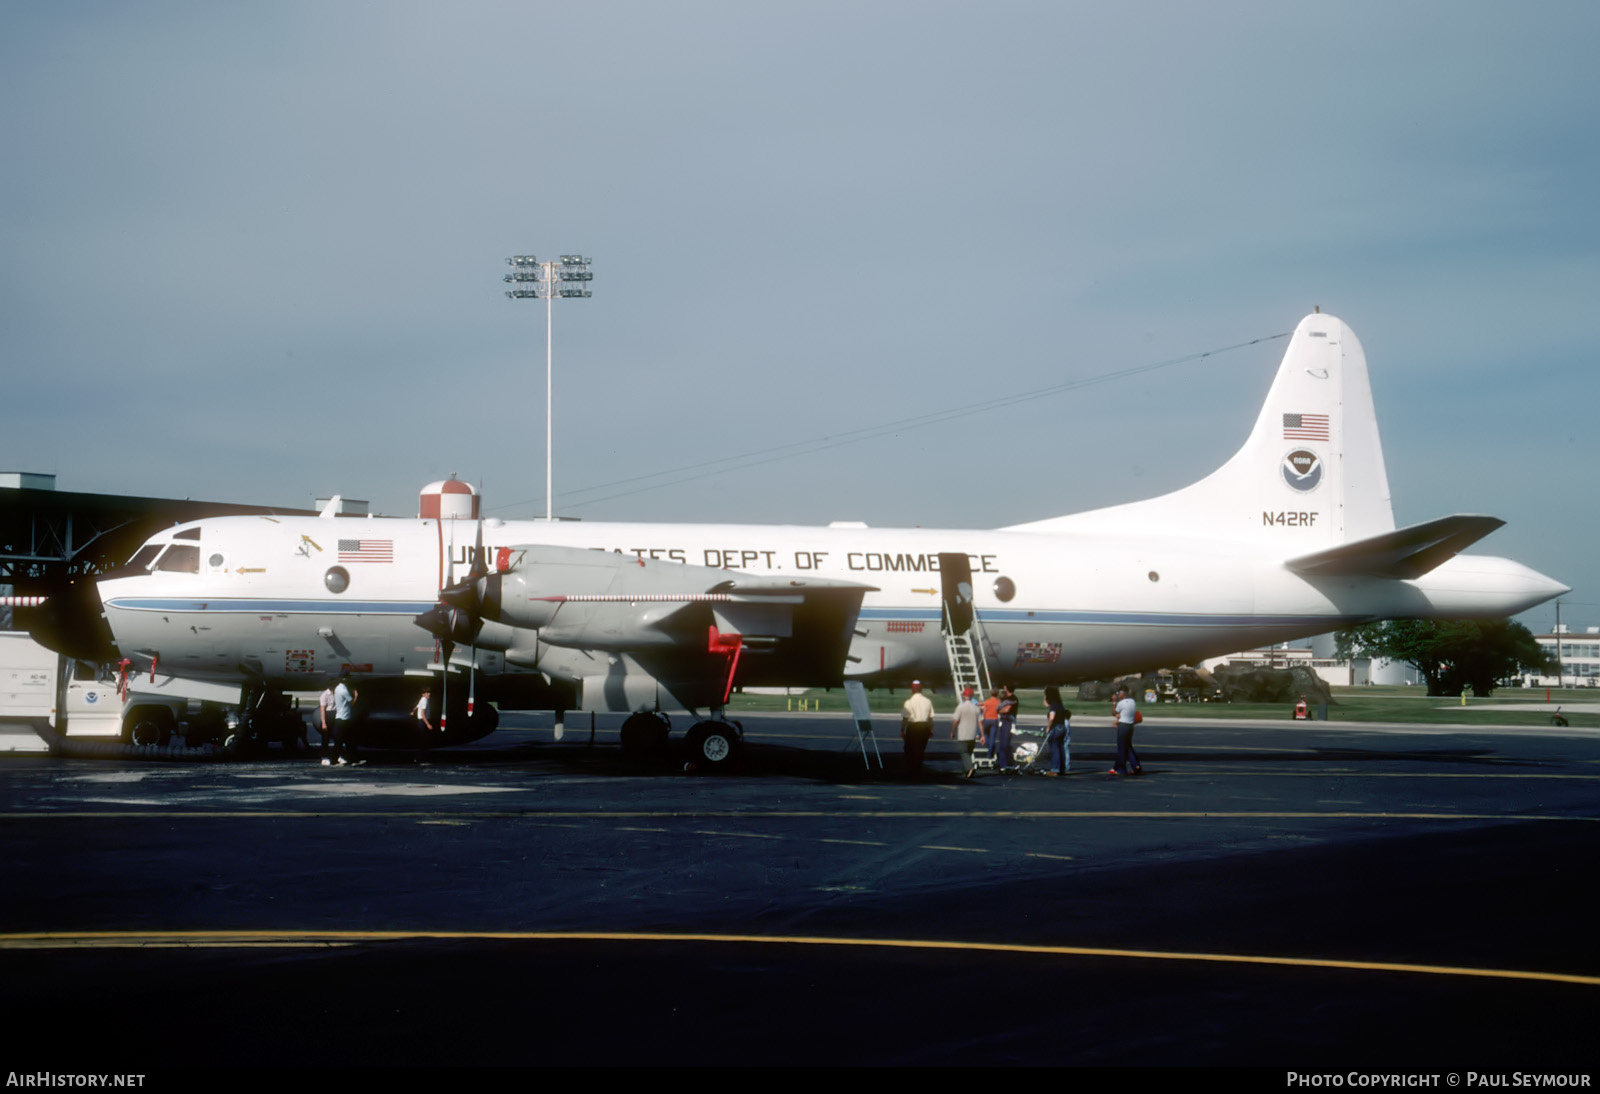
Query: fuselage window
x=180, y=559
x=337, y=579
x=215, y=561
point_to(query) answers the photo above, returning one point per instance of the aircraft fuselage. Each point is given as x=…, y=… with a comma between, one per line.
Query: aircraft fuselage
x=300, y=599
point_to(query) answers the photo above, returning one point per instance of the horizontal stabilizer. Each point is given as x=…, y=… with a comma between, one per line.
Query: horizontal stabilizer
x=1405, y=553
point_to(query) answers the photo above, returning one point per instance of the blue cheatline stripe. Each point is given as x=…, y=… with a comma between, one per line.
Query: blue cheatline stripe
x=1147, y=619
x=927, y=615
x=276, y=607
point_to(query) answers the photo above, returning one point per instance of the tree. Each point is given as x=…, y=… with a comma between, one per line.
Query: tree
x=1451, y=654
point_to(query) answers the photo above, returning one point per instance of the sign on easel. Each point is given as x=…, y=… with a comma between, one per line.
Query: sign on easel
x=856, y=692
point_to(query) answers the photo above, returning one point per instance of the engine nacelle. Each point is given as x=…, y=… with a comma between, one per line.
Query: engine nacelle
x=598, y=599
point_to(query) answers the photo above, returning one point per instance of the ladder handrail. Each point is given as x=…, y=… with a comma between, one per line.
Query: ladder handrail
x=978, y=679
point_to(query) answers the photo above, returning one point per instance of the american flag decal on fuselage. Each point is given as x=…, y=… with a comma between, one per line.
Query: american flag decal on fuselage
x=366, y=550
x=1305, y=427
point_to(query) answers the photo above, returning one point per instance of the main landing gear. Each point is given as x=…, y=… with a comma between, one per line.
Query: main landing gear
x=265, y=715
x=710, y=745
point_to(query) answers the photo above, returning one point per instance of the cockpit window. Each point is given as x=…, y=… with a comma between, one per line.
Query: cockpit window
x=180, y=559
x=187, y=533
x=144, y=556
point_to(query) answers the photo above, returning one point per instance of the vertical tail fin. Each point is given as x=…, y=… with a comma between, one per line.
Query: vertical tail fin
x=1310, y=475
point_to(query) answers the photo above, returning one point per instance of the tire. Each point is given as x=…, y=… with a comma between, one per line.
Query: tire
x=712, y=745
x=644, y=737
x=148, y=726
x=484, y=721
x=208, y=726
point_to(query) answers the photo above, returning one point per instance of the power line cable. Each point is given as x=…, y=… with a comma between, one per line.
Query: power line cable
x=757, y=457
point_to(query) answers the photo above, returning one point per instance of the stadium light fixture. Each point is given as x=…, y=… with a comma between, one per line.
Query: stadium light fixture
x=534, y=280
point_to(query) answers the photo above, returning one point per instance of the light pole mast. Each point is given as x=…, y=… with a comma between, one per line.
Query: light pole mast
x=535, y=280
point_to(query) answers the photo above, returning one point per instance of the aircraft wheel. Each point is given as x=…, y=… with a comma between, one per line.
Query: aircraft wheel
x=644, y=737
x=149, y=726
x=712, y=745
x=208, y=726
x=484, y=721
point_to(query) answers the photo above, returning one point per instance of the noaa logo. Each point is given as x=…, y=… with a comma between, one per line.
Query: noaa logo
x=91, y=697
x=1302, y=469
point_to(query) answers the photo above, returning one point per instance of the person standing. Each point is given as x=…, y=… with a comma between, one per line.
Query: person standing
x=424, y=724
x=325, y=725
x=1003, y=759
x=991, y=718
x=1127, y=718
x=1058, y=732
x=344, y=714
x=916, y=726
x=964, y=729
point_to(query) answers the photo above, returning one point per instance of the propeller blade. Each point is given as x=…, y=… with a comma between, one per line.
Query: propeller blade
x=449, y=624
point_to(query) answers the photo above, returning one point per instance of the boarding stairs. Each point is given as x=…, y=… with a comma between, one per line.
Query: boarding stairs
x=969, y=668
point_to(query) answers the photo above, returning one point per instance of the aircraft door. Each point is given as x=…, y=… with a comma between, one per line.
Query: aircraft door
x=955, y=578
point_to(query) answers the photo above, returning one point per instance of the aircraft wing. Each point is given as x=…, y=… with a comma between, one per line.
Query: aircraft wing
x=574, y=613
x=1405, y=553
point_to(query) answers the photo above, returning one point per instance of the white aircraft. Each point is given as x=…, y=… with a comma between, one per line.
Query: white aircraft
x=1293, y=536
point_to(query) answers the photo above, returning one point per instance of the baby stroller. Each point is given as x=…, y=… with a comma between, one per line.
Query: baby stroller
x=1029, y=749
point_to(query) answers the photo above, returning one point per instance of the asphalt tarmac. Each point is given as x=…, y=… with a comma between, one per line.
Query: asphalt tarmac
x=1304, y=897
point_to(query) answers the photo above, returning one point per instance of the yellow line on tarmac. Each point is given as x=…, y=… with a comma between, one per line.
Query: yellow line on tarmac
x=238, y=939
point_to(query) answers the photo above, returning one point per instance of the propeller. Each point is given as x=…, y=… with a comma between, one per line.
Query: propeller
x=69, y=622
x=477, y=571
x=457, y=619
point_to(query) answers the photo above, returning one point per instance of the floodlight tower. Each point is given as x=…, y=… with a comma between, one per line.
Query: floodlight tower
x=534, y=280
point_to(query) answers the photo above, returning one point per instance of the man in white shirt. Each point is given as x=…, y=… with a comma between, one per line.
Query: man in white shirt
x=1127, y=717
x=344, y=713
x=964, y=728
x=424, y=723
x=325, y=726
x=916, y=726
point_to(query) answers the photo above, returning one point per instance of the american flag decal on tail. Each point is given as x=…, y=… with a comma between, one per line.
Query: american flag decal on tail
x=366, y=550
x=1305, y=427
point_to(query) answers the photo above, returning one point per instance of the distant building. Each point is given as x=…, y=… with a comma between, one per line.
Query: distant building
x=26, y=480
x=1332, y=671
x=1319, y=658
x=1580, y=658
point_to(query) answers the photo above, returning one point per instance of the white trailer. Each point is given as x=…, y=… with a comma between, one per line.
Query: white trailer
x=45, y=695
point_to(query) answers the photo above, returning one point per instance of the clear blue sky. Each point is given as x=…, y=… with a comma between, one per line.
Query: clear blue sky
x=253, y=252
